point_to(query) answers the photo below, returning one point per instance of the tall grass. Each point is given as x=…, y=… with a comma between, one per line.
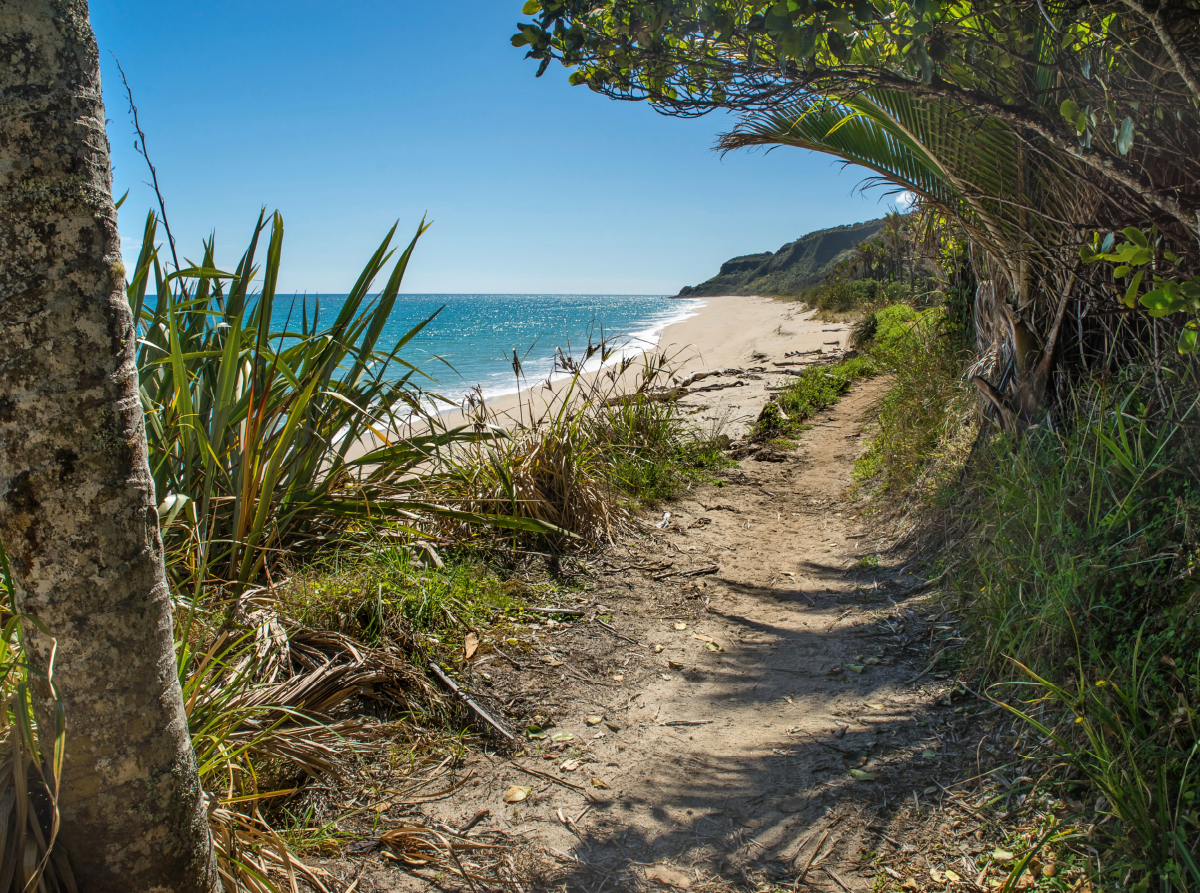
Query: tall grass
x=599, y=445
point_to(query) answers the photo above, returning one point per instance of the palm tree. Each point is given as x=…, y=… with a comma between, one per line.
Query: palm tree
x=77, y=506
x=1015, y=207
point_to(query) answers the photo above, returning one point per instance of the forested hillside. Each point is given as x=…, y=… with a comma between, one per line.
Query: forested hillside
x=794, y=267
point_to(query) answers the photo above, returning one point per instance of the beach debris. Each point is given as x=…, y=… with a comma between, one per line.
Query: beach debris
x=674, y=666
x=802, y=353
x=595, y=720
x=687, y=722
x=666, y=520
x=680, y=626
x=668, y=877
x=517, y=793
x=599, y=783
x=571, y=765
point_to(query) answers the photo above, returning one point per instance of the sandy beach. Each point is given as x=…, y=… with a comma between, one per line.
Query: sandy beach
x=729, y=332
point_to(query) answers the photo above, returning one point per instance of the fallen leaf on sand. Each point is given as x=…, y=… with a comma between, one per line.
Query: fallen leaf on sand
x=910, y=884
x=936, y=875
x=674, y=666
x=871, y=661
x=562, y=736
x=862, y=776
x=666, y=676
x=571, y=765
x=711, y=646
x=668, y=877
x=952, y=876
x=681, y=625
x=891, y=872
x=875, y=706
x=595, y=720
x=599, y=783
x=619, y=677
x=1002, y=855
x=516, y=793
x=855, y=668
x=470, y=646
x=658, y=649
x=928, y=755
x=702, y=638
x=613, y=726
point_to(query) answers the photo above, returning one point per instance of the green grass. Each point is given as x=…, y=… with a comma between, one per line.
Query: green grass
x=924, y=414
x=815, y=389
x=386, y=594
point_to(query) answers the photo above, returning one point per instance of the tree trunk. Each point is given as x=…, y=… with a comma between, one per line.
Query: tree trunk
x=77, y=509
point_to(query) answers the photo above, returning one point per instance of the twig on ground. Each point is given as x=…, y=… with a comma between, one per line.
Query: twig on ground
x=470, y=702
x=615, y=633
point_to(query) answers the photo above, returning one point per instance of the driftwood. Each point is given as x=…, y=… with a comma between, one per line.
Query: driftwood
x=470, y=702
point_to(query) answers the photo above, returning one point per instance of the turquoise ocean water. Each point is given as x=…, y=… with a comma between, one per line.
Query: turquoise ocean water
x=471, y=341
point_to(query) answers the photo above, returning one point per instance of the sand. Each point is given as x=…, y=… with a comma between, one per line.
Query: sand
x=729, y=332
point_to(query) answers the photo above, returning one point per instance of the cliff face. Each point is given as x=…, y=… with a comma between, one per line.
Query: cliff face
x=794, y=267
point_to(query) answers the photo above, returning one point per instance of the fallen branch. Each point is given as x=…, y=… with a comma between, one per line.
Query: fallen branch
x=470, y=702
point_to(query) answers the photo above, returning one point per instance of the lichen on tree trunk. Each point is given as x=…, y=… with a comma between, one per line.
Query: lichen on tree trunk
x=77, y=504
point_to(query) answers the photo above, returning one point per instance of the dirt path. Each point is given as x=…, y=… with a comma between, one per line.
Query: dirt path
x=756, y=718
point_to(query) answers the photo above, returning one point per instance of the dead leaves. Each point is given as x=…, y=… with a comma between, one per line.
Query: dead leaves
x=517, y=793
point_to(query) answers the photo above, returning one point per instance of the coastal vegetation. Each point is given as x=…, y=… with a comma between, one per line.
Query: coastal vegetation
x=327, y=535
x=329, y=543
x=1040, y=427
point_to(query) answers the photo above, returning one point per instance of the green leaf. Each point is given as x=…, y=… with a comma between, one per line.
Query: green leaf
x=1069, y=110
x=531, y=8
x=860, y=775
x=1122, y=271
x=1131, y=292
x=1136, y=236
x=1125, y=136
x=1187, y=338
x=1160, y=302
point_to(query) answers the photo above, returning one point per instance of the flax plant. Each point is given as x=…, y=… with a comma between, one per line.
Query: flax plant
x=263, y=440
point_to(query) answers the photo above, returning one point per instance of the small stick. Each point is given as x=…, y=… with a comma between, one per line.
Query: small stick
x=694, y=572
x=687, y=722
x=565, y=784
x=615, y=633
x=470, y=702
x=812, y=855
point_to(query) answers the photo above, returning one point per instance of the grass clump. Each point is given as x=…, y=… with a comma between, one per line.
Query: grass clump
x=814, y=389
x=389, y=593
x=924, y=413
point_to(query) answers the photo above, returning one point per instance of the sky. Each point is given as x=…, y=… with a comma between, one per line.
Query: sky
x=349, y=117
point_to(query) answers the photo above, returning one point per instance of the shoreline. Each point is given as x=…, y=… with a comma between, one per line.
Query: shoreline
x=728, y=331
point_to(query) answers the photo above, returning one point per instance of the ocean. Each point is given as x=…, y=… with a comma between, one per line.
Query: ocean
x=471, y=341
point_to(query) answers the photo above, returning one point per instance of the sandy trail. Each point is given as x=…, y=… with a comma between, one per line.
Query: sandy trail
x=757, y=718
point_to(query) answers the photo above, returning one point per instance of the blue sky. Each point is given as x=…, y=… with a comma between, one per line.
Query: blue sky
x=347, y=117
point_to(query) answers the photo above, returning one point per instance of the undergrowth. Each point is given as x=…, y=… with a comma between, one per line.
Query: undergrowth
x=1073, y=549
